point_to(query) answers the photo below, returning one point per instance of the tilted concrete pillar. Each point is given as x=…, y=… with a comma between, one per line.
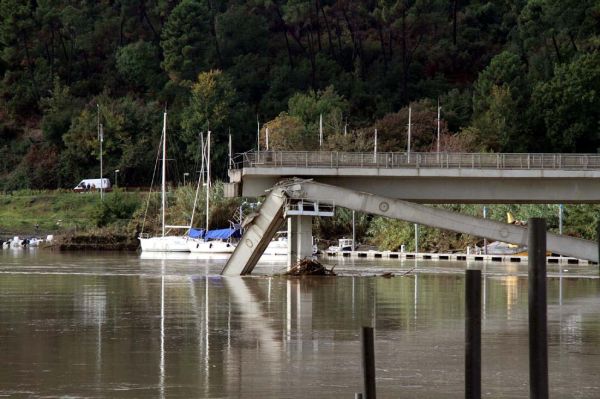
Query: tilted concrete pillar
x=299, y=238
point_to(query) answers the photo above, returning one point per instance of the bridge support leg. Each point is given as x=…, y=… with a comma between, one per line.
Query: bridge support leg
x=299, y=238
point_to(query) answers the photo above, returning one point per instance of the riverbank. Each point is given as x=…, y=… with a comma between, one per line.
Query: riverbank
x=83, y=221
x=72, y=218
x=43, y=212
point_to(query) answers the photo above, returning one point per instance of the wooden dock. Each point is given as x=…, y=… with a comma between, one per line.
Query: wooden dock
x=449, y=257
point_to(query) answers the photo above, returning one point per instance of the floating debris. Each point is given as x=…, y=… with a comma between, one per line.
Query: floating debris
x=387, y=275
x=309, y=267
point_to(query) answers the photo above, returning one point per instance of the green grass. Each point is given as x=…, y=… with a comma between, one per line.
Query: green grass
x=54, y=211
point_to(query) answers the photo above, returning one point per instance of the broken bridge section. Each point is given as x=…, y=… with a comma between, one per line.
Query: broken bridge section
x=243, y=260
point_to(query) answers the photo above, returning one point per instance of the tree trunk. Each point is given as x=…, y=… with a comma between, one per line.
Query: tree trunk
x=317, y=24
x=352, y=35
x=558, y=57
x=381, y=40
x=213, y=31
x=284, y=29
x=404, y=59
x=311, y=58
x=331, y=48
x=454, y=22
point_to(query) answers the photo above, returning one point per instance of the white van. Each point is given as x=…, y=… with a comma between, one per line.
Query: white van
x=93, y=185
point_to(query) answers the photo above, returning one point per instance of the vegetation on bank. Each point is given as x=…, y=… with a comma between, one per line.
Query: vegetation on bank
x=116, y=222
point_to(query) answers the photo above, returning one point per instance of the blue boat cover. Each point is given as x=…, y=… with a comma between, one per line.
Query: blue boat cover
x=196, y=233
x=222, y=234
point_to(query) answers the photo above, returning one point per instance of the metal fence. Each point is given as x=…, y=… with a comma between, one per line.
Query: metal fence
x=390, y=160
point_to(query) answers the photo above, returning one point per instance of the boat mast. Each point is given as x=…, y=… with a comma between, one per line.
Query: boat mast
x=200, y=179
x=164, y=172
x=207, y=176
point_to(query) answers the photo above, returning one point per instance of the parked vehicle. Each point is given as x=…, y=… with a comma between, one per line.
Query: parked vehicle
x=93, y=185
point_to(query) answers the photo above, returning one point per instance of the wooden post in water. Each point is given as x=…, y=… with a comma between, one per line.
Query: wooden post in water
x=368, y=360
x=538, y=335
x=473, y=334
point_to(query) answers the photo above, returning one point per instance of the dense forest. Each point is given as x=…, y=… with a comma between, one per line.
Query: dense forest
x=510, y=76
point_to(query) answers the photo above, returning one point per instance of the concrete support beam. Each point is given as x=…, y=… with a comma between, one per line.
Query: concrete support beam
x=299, y=238
x=439, y=218
x=260, y=229
x=292, y=243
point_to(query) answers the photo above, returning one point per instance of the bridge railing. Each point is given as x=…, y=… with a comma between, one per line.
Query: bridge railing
x=334, y=159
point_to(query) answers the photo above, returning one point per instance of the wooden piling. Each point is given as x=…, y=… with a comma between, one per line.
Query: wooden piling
x=473, y=334
x=368, y=360
x=538, y=335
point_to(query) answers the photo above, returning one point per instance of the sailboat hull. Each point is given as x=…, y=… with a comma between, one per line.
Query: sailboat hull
x=210, y=247
x=164, y=244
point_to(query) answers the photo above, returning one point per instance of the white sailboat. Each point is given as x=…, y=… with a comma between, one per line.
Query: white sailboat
x=211, y=241
x=164, y=242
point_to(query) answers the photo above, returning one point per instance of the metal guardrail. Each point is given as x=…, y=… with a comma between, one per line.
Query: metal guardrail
x=391, y=160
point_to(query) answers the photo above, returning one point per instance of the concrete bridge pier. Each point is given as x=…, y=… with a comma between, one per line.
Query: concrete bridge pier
x=299, y=238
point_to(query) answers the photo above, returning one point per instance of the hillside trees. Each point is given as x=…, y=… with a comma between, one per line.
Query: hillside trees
x=569, y=105
x=187, y=41
x=510, y=76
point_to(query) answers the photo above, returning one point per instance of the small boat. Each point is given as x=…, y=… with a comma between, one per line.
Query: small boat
x=503, y=248
x=344, y=244
x=279, y=245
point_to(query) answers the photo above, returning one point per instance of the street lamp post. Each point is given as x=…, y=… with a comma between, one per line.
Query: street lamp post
x=186, y=174
x=116, y=175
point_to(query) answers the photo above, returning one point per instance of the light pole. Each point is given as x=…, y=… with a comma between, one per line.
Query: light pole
x=186, y=174
x=560, y=219
x=116, y=175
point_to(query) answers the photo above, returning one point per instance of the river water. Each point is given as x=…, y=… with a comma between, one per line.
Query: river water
x=116, y=325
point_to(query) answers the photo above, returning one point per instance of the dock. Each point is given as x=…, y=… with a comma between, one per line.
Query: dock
x=450, y=257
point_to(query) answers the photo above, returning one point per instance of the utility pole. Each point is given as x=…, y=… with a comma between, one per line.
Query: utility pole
x=408, y=144
x=416, y=238
x=101, y=171
x=485, y=249
x=438, y=129
x=375, y=148
x=230, y=152
x=320, y=131
x=267, y=137
x=257, y=134
x=353, y=231
x=560, y=219
x=101, y=139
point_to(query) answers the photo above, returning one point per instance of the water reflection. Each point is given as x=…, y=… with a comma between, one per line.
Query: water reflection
x=106, y=325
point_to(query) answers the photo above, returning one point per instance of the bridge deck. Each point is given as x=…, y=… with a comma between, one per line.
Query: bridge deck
x=431, y=177
x=391, y=160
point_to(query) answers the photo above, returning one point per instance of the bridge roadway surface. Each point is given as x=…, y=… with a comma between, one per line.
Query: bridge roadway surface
x=429, y=177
